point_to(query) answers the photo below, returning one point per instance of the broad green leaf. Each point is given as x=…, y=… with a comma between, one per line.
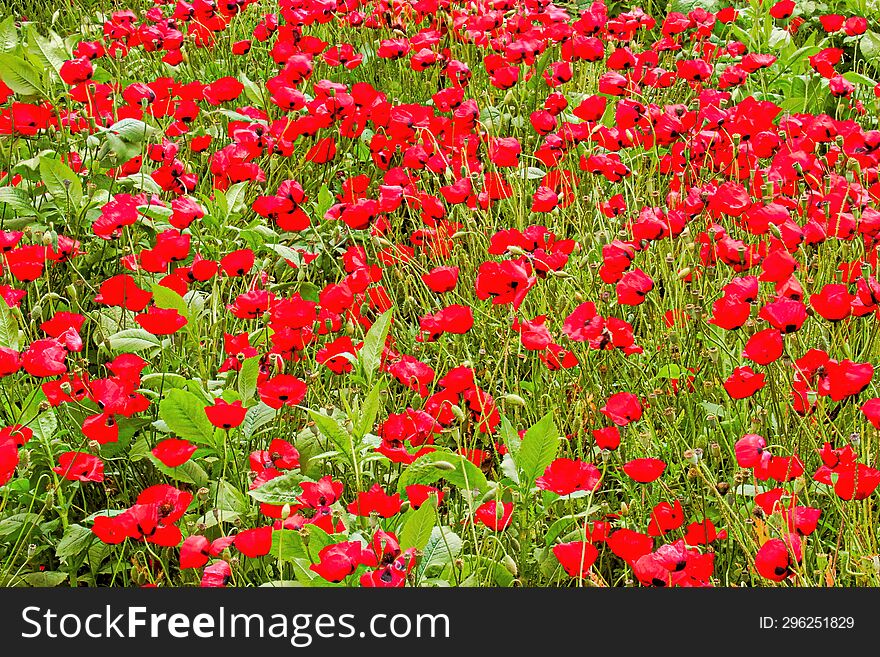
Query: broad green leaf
x=61, y=181
x=45, y=425
x=370, y=355
x=235, y=199
x=133, y=340
x=442, y=548
x=167, y=298
x=287, y=545
x=870, y=47
x=184, y=414
x=454, y=468
x=280, y=490
x=257, y=416
x=417, y=526
x=325, y=200
x=510, y=437
x=538, y=449
x=9, y=337
x=247, y=377
x=8, y=35
x=19, y=200
x=20, y=76
x=48, y=52
x=76, y=541
x=45, y=579
x=858, y=78
x=369, y=411
x=189, y=472
x=131, y=131
x=331, y=430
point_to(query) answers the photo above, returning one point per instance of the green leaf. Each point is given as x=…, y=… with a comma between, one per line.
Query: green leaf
x=61, y=181
x=256, y=417
x=167, y=298
x=131, y=131
x=331, y=430
x=538, y=449
x=417, y=526
x=8, y=35
x=45, y=425
x=510, y=437
x=454, y=468
x=184, y=414
x=48, y=52
x=280, y=490
x=189, y=472
x=247, y=377
x=325, y=200
x=47, y=578
x=870, y=47
x=20, y=76
x=442, y=548
x=858, y=78
x=369, y=411
x=8, y=327
x=133, y=340
x=76, y=541
x=370, y=355
x=287, y=545
x=235, y=199
x=19, y=200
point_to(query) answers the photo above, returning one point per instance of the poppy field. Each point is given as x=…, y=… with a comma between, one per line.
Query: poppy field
x=432, y=293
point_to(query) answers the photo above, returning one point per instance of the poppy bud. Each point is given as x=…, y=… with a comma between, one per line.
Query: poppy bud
x=510, y=564
x=32, y=550
x=285, y=512
x=514, y=399
x=457, y=412
x=444, y=465
x=94, y=447
x=624, y=509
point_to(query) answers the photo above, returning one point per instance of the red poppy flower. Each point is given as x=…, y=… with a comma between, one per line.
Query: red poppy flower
x=44, y=358
x=376, y=501
x=418, y=494
x=254, y=542
x=173, y=452
x=665, y=517
x=565, y=476
x=441, y=279
x=282, y=390
x=80, y=466
x=224, y=415
x=703, y=533
x=576, y=557
x=764, y=347
x=216, y=575
x=744, y=382
x=123, y=291
x=607, y=438
x=161, y=321
x=775, y=561
x=749, y=450
x=630, y=545
x=644, y=470
x=496, y=516
x=338, y=561
x=622, y=408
